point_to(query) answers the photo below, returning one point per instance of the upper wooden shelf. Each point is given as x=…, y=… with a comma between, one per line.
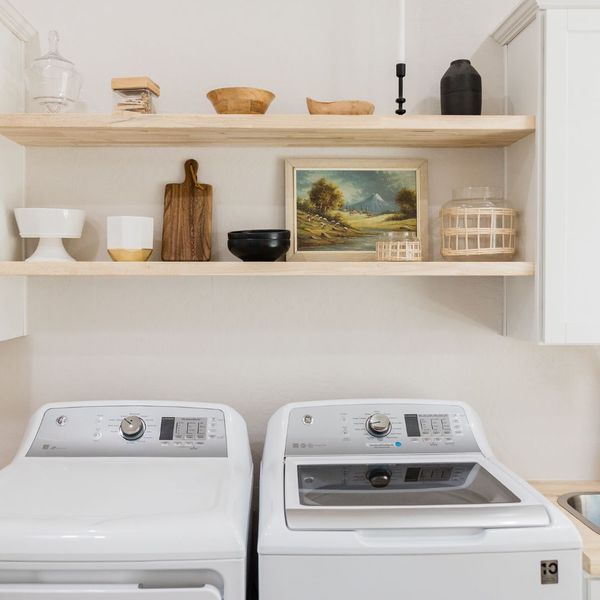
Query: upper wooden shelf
x=266, y=269
x=124, y=129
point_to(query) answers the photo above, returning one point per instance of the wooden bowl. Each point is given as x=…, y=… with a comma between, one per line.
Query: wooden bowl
x=240, y=100
x=340, y=107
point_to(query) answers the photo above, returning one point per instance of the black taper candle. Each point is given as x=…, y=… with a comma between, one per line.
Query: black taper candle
x=400, y=73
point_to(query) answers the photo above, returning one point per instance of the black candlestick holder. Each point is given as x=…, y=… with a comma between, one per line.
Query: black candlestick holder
x=400, y=73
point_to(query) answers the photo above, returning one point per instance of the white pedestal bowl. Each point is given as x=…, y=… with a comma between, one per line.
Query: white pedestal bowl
x=50, y=225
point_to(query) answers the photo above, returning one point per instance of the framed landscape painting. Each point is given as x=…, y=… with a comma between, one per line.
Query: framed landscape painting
x=336, y=208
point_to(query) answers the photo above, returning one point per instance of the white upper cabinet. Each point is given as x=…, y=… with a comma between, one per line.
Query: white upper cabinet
x=14, y=33
x=553, y=66
x=572, y=182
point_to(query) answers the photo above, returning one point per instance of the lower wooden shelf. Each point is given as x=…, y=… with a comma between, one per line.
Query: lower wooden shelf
x=265, y=269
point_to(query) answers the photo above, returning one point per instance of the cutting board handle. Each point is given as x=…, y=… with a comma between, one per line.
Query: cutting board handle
x=191, y=172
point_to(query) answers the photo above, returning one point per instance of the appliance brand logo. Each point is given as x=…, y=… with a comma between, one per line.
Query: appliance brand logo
x=549, y=571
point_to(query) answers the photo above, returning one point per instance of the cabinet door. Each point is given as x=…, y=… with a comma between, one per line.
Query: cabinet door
x=571, y=220
x=12, y=176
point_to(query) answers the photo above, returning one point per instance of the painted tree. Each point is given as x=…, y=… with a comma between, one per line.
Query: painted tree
x=406, y=200
x=325, y=196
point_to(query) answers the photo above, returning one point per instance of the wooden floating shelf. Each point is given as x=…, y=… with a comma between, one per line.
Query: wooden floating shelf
x=122, y=129
x=265, y=269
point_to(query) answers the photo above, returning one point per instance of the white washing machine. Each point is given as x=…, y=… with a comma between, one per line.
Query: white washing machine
x=403, y=499
x=126, y=501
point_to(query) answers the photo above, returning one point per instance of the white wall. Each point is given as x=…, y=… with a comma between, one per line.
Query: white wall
x=438, y=32
x=12, y=184
x=257, y=343
x=297, y=49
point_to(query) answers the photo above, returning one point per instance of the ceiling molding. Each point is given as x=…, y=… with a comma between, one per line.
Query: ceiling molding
x=546, y=4
x=522, y=16
x=527, y=11
x=16, y=22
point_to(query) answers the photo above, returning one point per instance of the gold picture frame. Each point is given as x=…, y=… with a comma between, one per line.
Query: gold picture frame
x=337, y=207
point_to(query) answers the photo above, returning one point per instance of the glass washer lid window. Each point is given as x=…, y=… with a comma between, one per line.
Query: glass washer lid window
x=407, y=484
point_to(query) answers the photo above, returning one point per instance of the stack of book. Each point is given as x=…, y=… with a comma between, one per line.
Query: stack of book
x=136, y=94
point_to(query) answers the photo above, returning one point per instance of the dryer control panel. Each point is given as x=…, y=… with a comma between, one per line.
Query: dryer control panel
x=379, y=429
x=131, y=430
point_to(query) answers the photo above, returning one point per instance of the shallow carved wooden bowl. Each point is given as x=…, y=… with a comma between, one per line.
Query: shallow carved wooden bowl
x=340, y=107
x=240, y=100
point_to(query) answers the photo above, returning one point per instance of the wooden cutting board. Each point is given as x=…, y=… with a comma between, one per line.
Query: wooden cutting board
x=187, y=223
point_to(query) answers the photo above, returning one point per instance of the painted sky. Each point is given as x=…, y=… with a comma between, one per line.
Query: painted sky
x=357, y=185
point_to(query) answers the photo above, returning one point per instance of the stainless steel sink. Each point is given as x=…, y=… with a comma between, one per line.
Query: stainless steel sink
x=585, y=506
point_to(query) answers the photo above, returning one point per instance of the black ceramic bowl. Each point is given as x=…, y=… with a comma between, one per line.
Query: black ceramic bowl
x=258, y=249
x=260, y=245
x=271, y=234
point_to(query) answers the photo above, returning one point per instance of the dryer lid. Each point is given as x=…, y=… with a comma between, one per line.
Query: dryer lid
x=122, y=509
x=407, y=494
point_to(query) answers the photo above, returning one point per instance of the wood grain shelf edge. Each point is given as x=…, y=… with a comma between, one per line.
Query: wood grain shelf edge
x=97, y=130
x=257, y=269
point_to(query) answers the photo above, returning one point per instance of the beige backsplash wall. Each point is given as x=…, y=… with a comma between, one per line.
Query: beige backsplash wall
x=258, y=343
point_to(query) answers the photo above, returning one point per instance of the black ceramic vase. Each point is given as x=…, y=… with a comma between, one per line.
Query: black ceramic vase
x=460, y=89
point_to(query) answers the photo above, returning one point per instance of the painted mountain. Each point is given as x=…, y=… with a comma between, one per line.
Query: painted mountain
x=373, y=205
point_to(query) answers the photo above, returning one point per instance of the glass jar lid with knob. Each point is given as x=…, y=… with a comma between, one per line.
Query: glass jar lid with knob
x=52, y=81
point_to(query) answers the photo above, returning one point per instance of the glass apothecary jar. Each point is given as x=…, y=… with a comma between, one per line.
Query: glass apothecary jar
x=478, y=225
x=52, y=80
x=135, y=94
x=399, y=246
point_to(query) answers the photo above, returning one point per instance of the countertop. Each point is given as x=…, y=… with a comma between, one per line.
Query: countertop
x=591, y=540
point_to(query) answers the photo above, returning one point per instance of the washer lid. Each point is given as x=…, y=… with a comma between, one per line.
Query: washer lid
x=123, y=509
x=409, y=494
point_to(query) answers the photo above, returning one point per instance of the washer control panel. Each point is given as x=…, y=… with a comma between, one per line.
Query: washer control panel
x=131, y=430
x=379, y=429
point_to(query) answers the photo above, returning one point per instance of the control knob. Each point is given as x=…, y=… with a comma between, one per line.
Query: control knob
x=379, y=477
x=378, y=425
x=132, y=428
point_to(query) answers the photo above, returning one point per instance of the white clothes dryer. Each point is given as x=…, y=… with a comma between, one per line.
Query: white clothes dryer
x=403, y=499
x=126, y=501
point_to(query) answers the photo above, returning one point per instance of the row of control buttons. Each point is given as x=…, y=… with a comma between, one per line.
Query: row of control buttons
x=98, y=433
x=212, y=428
x=192, y=445
x=435, y=425
x=448, y=441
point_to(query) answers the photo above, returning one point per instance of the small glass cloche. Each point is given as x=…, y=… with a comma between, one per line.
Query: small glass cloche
x=52, y=80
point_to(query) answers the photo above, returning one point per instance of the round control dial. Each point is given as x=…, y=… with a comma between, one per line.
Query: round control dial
x=132, y=428
x=378, y=425
x=379, y=477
